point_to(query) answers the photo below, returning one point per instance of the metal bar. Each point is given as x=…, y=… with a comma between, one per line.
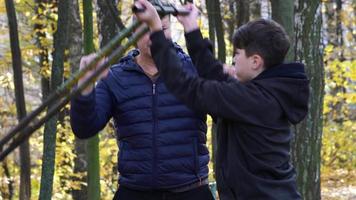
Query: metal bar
x=59, y=98
x=164, y=9
x=66, y=87
x=26, y=133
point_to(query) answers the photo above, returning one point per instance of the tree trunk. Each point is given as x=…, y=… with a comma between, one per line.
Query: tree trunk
x=65, y=160
x=243, y=12
x=283, y=13
x=106, y=32
x=231, y=20
x=335, y=38
x=211, y=20
x=219, y=32
x=25, y=172
x=339, y=31
x=107, y=21
x=215, y=26
x=334, y=29
x=255, y=9
x=39, y=29
x=266, y=9
x=211, y=10
x=331, y=21
x=10, y=183
x=239, y=14
x=93, y=142
x=49, y=142
x=307, y=142
x=75, y=53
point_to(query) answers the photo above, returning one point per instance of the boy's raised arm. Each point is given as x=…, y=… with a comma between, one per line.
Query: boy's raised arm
x=222, y=98
x=228, y=99
x=200, y=50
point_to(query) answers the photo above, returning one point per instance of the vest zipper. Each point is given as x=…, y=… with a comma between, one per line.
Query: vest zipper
x=154, y=175
x=154, y=88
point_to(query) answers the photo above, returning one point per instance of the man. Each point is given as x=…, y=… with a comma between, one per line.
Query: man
x=163, y=153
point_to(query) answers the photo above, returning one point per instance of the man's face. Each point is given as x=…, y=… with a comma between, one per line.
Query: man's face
x=144, y=43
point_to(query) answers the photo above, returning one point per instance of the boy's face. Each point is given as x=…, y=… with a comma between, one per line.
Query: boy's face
x=144, y=43
x=247, y=68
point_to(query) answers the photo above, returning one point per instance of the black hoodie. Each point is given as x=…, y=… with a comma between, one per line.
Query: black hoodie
x=253, y=154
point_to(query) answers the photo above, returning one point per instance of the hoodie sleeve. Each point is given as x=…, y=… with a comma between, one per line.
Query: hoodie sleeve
x=222, y=98
x=89, y=114
x=201, y=52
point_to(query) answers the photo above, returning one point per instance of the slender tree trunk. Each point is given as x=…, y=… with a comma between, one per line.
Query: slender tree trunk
x=220, y=36
x=216, y=26
x=106, y=32
x=107, y=22
x=75, y=53
x=331, y=21
x=307, y=142
x=283, y=13
x=66, y=160
x=211, y=20
x=25, y=173
x=93, y=142
x=43, y=53
x=340, y=116
x=339, y=31
x=351, y=27
x=80, y=168
x=255, y=9
x=266, y=9
x=60, y=42
x=243, y=12
x=240, y=14
x=10, y=184
x=212, y=29
x=231, y=21
x=334, y=30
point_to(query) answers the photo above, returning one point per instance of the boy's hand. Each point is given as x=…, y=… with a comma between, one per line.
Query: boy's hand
x=189, y=22
x=231, y=70
x=84, y=61
x=149, y=15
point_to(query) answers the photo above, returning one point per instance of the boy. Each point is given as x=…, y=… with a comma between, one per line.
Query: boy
x=254, y=111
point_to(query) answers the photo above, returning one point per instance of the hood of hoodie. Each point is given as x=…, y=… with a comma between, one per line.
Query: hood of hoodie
x=289, y=85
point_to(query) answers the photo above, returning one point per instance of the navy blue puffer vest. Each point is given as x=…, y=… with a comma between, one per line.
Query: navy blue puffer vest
x=162, y=142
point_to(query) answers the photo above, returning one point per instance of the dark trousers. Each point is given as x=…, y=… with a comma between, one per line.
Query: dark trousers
x=199, y=193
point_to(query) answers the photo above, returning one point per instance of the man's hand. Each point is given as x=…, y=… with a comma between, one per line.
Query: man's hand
x=189, y=22
x=84, y=61
x=149, y=15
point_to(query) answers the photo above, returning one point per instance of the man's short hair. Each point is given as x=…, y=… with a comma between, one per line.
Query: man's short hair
x=264, y=37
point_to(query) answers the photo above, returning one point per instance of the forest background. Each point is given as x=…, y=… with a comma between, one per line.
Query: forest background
x=53, y=164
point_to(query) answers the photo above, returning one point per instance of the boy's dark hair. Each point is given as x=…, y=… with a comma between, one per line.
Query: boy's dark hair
x=263, y=37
